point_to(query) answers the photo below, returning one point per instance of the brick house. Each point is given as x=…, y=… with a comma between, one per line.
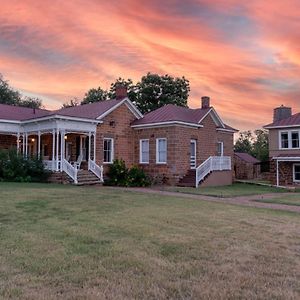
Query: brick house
x=284, y=147
x=172, y=144
x=246, y=166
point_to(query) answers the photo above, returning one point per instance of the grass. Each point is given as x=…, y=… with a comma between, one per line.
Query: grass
x=66, y=242
x=234, y=190
x=293, y=199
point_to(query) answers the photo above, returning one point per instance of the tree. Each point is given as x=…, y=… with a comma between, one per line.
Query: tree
x=95, y=95
x=255, y=144
x=261, y=145
x=151, y=92
x=12, y=97
x=73, y=102
x=154, y=91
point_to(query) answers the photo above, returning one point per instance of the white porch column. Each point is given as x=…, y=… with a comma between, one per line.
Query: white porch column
x=53, y=149
x=94, y=139
x=62, y=148
x=18, y=142
x=277, y=172
x=39, y=144
x=26, y=144
x=57, y=142
x=23, y=146
x=89, y=145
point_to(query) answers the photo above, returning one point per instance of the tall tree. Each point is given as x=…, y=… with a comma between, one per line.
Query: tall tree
x=154, y=91
x=261, y=145
x=256, y=144
x=12, y=97
x=73, y=102
x=95, y=95
x=244, y=142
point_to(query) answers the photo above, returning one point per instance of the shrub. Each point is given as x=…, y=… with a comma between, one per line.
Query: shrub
x=14, y=167
x=117, y=173
x=120, y=175
x=137, y=177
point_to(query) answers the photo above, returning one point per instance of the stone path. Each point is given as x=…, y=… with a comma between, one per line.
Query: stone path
x=241, y=200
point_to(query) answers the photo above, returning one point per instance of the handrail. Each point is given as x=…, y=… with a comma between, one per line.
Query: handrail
x=70, y=170
x=213, y=163
x=97, y=170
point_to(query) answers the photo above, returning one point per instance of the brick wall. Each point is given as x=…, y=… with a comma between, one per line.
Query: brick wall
x=116, y=125
x=8, y=141
x=285, y=173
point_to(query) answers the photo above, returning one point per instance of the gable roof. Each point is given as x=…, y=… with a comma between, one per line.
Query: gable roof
x=292, y=121
x=247, y=157
x=18, y=113
x=92, y=111
x=171, y=113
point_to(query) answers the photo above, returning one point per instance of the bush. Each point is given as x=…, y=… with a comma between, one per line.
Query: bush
x=14, y=167
x=120, y=175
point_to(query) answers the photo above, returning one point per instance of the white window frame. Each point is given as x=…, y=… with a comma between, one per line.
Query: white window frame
x=294, y=173
x=290, y=145
x=222, y=148
x=141, y=153
x=112, y=150
x=157, y=152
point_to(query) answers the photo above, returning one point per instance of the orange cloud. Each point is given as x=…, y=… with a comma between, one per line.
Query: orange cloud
x=243, y=55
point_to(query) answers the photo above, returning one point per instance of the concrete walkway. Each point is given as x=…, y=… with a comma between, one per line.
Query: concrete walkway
x=241, y=200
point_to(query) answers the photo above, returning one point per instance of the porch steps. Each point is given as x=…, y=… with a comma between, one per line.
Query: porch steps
x=189, y=180
x=85, y=177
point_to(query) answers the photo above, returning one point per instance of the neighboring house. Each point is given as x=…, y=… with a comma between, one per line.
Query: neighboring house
x=246, y=166
x=284, y=147
x=166, y=143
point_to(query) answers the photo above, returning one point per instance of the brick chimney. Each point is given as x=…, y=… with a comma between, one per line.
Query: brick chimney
x=281, y=113
x=121, y=91
x=205, y=102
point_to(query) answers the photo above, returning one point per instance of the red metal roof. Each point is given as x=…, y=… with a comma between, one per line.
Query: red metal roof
x=247, y=157
x=172, y=112
x=88, y=111
x=17, y=113
x=291, y=121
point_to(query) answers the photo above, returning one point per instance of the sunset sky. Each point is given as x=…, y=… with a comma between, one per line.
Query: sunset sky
x=245, y=55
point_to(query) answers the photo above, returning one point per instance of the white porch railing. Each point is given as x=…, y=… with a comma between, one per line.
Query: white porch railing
x=97, y=170
x=70, y=170
x=213, y=163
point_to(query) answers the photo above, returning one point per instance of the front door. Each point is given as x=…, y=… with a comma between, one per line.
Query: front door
x=193, y=149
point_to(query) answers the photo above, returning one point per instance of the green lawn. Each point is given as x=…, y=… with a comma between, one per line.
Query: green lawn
x=66, y=242
x=234, y=190
x=289, y=199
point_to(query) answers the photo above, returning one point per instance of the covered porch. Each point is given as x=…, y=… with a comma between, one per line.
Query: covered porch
x=287, y=170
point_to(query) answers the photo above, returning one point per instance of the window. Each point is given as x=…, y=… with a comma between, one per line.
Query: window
x=144, y=151
x=296, y=173
x=108, y=150
x=220, y=148
x=161, y=151
x=295, y=139
x=284, y=140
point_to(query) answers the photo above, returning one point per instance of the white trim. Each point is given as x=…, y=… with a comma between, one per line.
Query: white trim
x=194, y=142
x=289, y=132
x=216, y=116
x=9, y=121
x=227, y=130
x=294, y=177
x=222, y=148
x=128, y=103
x=112, y=150
x=286, y=158
x=282, y=126
x=61, y=117
x=157, y=152
x=141, y=156
x=167, y=123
